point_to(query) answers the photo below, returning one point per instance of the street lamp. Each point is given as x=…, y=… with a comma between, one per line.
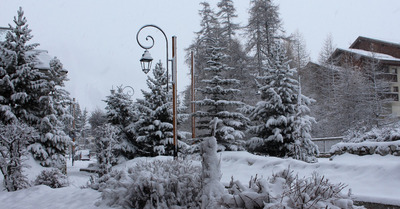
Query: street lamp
x=145, y=62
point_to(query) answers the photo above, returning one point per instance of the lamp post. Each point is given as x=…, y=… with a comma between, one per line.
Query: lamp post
x=145, y=62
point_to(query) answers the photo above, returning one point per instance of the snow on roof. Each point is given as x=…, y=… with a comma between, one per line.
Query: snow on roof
x=3, y=32
x=386, y=40
x=372, y=55
x=43, y=58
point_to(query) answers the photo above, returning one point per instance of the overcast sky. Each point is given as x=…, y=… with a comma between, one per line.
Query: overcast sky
x=95, y=39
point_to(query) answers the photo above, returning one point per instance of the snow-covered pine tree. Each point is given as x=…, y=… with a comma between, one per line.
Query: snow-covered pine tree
x=52, y=146
x=14, y=138
x=106, y=140
x=154, y=127
x=216, y=115
x=19, y=86
x=120, y=113
x=303, y=148
x=276, y=113
x=33, y=96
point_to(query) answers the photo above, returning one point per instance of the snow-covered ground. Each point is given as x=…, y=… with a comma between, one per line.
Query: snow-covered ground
x=371, y=178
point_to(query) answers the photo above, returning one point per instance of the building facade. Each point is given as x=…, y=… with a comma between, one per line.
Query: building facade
x=384, y=55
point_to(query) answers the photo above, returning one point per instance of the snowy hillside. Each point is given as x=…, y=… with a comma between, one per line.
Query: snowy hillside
x=371, y=178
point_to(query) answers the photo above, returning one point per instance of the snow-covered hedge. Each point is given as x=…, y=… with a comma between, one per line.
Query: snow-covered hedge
x=382, y=141
x=52, y=178
x=158, y=184
x=383, y=134
x=285, y=190
x=367, y=148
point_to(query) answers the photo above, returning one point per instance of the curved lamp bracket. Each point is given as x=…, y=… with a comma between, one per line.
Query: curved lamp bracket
x=151, y=39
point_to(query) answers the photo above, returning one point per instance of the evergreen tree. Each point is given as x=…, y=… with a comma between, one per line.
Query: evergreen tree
x=20, y=80
x=106, y=136
x=210, y=29
x=97, y=119
x=121, y=114
x=51, y=148
x=154, y=126
x=303, y=148
x=33, y=96
x=216, y=111
x=276, y=113
x=237, y=58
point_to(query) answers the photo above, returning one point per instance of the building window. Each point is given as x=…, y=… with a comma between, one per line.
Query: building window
x=396, y=97
x=395, y=89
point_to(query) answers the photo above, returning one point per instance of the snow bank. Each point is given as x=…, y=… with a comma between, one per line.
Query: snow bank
x=372, y=176
x=44, y=197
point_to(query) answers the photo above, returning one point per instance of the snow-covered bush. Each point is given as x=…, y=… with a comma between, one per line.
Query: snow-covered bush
x=367, y=148
x=158, y=184
x=53, y=178
x=285, y=190
x=13, y=142
x=382, y=141
x=387, y=133
x=211, y=174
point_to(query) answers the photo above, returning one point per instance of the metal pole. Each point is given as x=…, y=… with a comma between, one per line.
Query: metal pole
x=73, y=131
x=174, y=94
x=193, y=98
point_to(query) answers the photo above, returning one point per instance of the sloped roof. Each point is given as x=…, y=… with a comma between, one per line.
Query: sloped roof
x=360, y=38
x=384, y=58
x=372, y=55
x=42, y=58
